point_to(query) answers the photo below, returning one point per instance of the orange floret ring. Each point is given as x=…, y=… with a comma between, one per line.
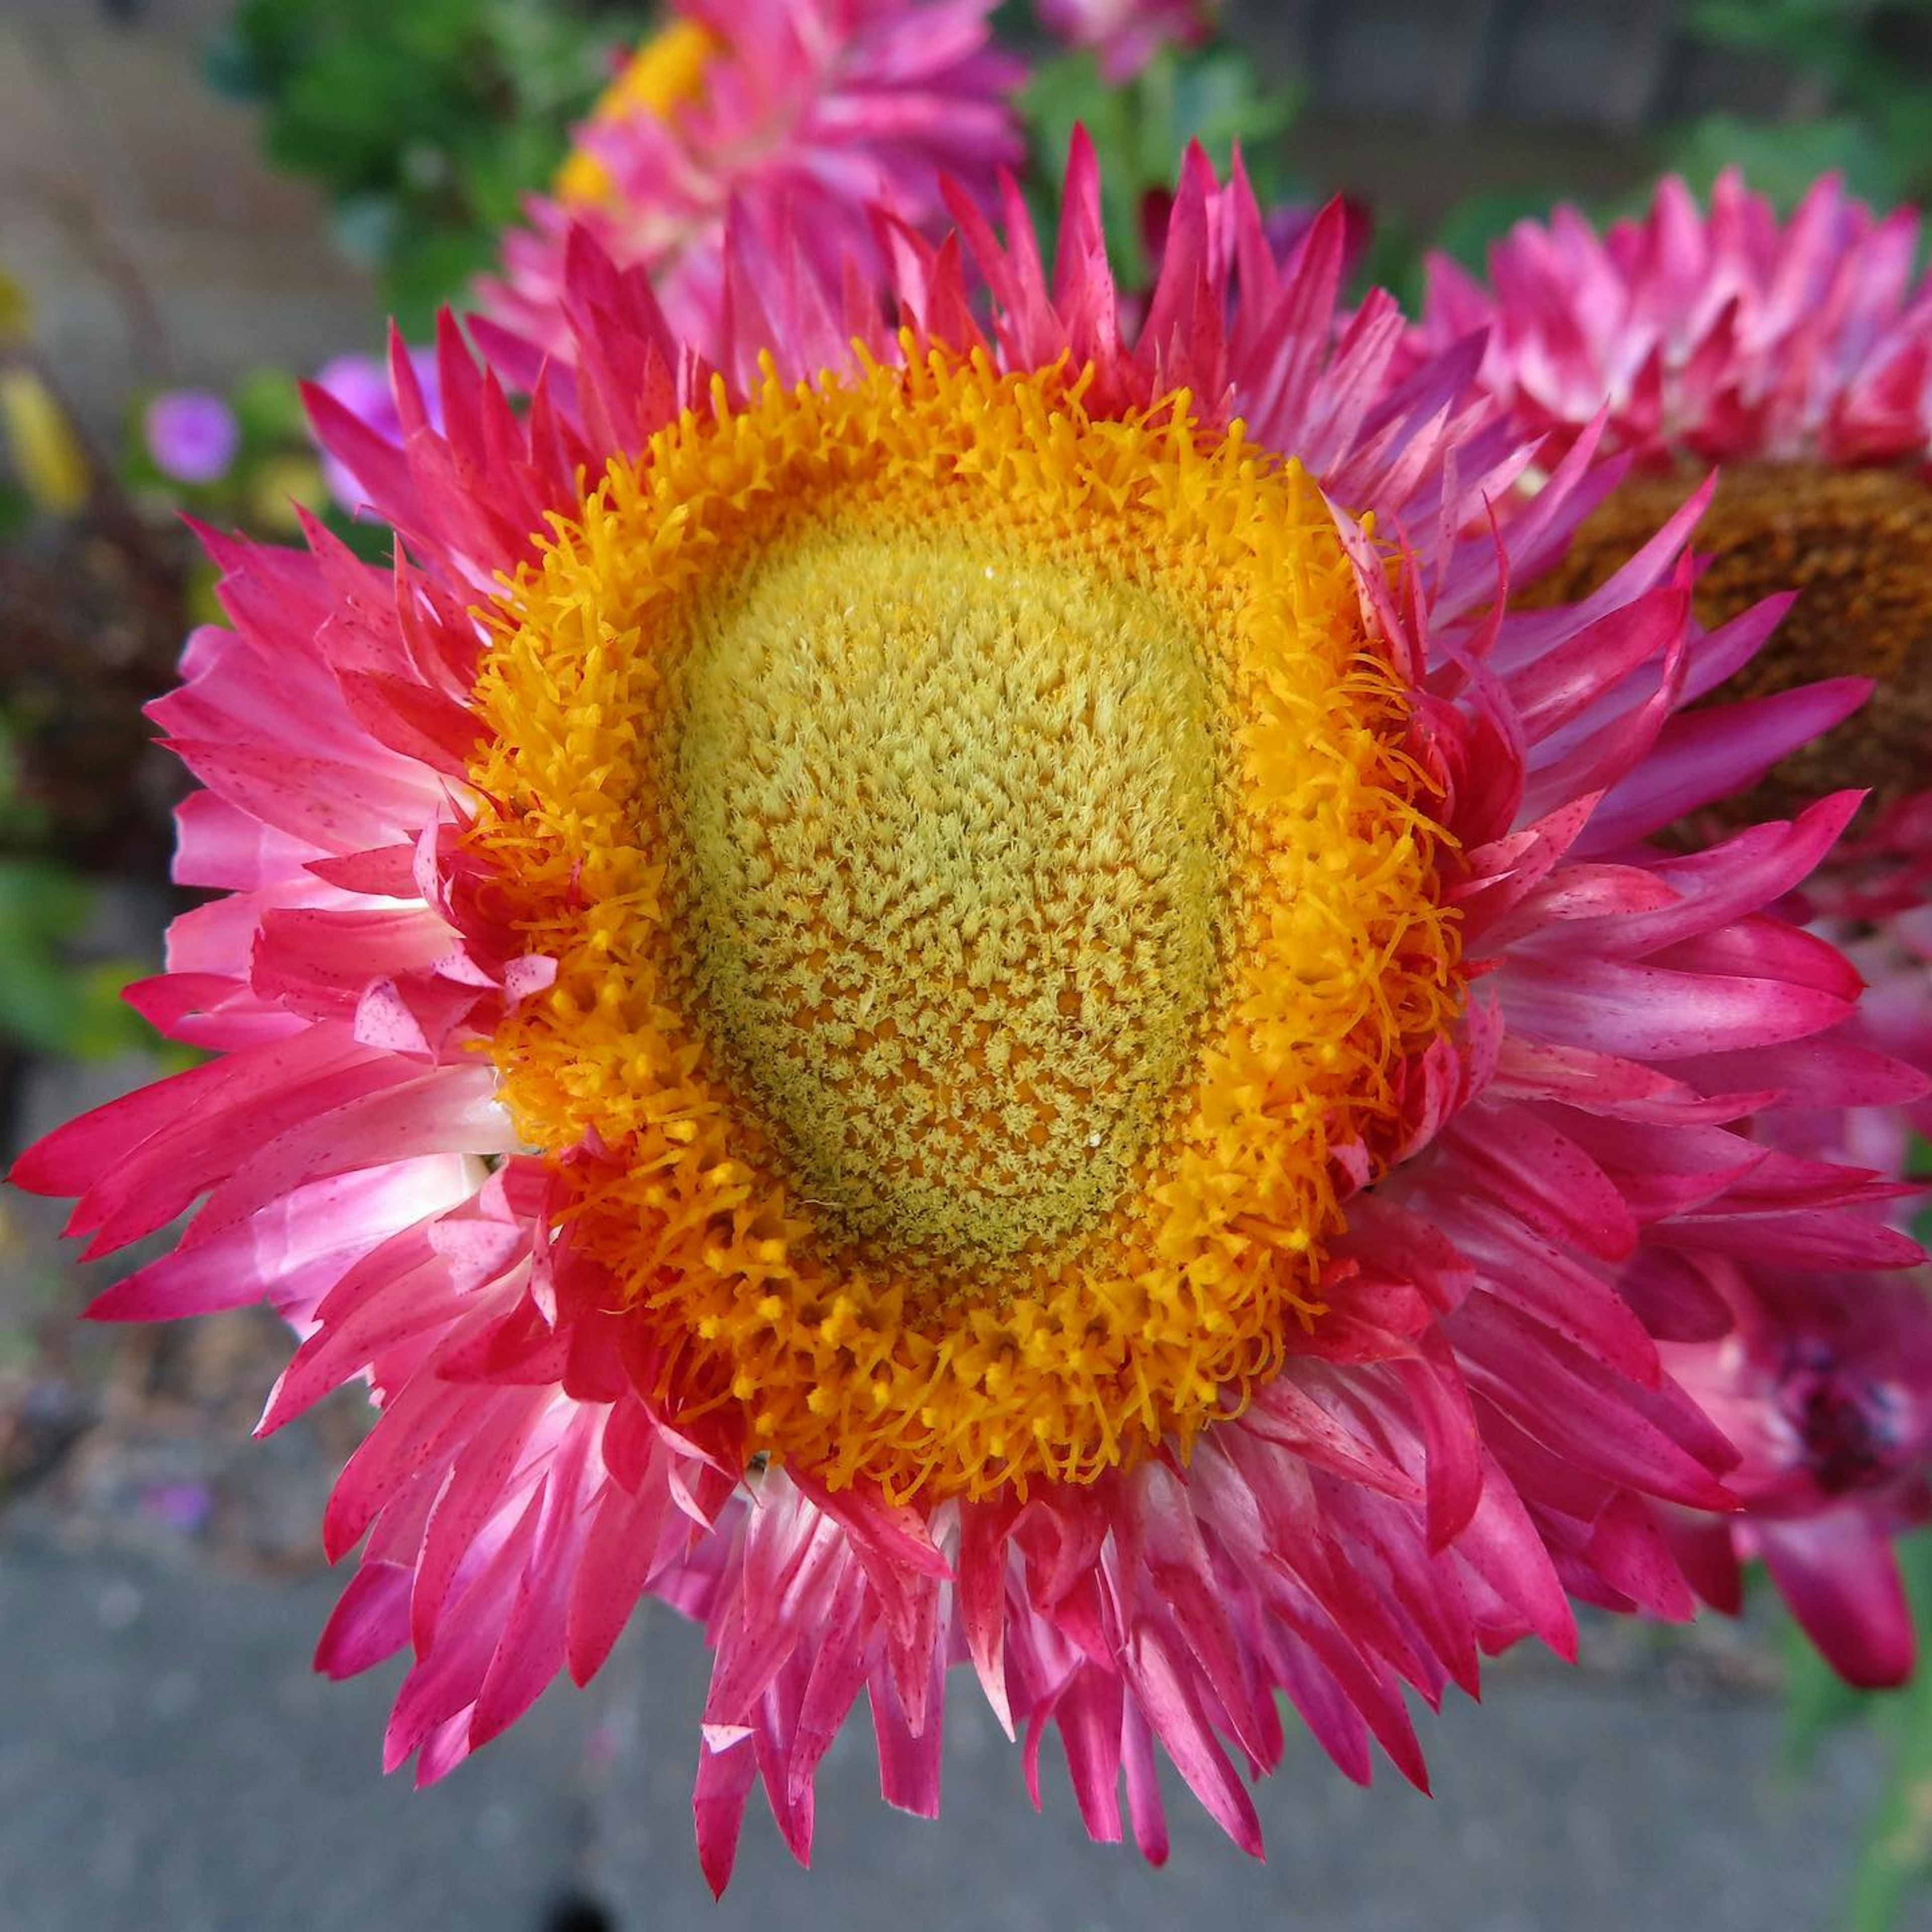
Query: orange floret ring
x=988, y=885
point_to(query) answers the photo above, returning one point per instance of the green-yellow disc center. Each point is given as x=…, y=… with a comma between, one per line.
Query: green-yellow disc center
x=949, y=816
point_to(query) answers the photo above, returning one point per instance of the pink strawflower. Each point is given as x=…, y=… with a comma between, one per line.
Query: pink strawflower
x=601, y=993
x=1721, y=336
x=808, y=114
x=1125, y=35
x=1798, y=355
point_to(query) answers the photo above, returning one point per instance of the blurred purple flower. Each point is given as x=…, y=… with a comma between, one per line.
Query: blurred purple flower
x=182, y=1506
x=360, y=384
x=192, y=435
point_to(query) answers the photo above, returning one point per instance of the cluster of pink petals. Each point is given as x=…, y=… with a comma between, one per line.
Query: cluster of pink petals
x=810, y=115
x=1731, y=336
x=1824, y=1387
x=1827, y=1391
x=1125, y=35
x=1893, y=957
x=1484, y=1427
x=1716, y=335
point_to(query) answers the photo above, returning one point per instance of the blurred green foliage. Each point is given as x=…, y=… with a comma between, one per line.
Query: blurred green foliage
x=1783, y=160
x=1860, y=73
x=1895, y=1854
x=268, y=411
x=49, y=1003
x=100, y=583
x=53, y=1001
x=1865, y=67
x=427, y=122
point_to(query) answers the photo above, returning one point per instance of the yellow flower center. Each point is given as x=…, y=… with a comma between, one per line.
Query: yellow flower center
x=665, y=73
x=994, y=908
x=949, y=877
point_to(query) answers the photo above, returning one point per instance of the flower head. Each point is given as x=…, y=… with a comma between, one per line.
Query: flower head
x=807, y=114
x=1719, y=336
x=1000, y=1012
x=1799, y=354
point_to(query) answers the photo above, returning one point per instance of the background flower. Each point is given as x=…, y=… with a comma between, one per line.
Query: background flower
x=192, y=435
x=1799, y=354
x=1725, y=335
x=1824, y=1387
x=808, y=114
x=361, y=384
x=1125, y=35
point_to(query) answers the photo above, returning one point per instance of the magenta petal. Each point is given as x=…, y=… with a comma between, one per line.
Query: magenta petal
x=619, y=1553
x=371, y=1622
x=724, y=1783
x=1631, y=1553
x=909, y=1757
x=1145, y=1805
x=1841, y=1576
x=1705, y=755
x=1174, y=1712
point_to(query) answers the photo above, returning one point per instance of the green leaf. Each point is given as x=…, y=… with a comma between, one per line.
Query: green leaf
x=103, y=1023
x=434, y=268
x=1817, y=1700
x=1896, y=1851
x=268, y=405
x=39, y=902
x=1865, y=60
x=40, y=907
x=1895, y=1854
x=16, y=510
x=1392, y=261
x=48, y=1003
x=426, y=122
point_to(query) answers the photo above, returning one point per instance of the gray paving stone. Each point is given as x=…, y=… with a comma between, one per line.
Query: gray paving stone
x=1567, y=1804
x=167, y=1764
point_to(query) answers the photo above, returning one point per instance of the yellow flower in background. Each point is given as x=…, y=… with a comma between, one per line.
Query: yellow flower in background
x=45, y=454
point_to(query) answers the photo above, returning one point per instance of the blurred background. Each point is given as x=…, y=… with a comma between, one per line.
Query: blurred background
x=202, y=203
